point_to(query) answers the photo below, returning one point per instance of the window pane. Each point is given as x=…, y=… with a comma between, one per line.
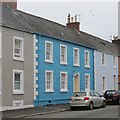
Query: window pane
x=17, y=43
x=17, y=51
x=17, y=77
x=48, y=51
x=17, y=85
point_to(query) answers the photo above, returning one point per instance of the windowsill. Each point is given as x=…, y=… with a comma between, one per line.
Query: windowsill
x=49, y=91
x=103, y=65
x=16, y=59
x=51, y=62
x=18, y=93
x=87, y=67
x=63, y=63
x=76, y=65
x=63, y=90
x=114, y=67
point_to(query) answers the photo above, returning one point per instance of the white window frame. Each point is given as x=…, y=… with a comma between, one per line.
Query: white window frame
x=51, y=52
x=78, y=57
x=21, y=58
x=65, y=62
x=51, y=89
x=0, y=45
x=66, y=82
x=103, y=83
x=103, y=59
x=114, y=61
x=21, y=91
x=88, y=82
x=87, y=64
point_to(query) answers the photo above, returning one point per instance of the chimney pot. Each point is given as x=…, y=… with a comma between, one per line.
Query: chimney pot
x=72, y=24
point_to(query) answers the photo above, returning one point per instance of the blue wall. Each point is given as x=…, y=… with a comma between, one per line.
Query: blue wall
x=57, y=97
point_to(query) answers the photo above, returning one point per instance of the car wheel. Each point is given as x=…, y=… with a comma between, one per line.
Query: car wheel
x=71, y=108
x=91, y=106
x=103, y=104
x=119, y=102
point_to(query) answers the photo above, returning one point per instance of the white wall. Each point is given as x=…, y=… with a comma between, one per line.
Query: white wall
x=108, y=71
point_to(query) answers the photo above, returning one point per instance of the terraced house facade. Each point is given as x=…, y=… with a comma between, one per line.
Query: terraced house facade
x=44, y=62
x=62, y=69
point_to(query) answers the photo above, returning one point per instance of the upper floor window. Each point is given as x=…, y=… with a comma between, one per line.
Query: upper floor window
x=87, y=59
x=17, y=82
x=18, y=48
x=103, y=59
x=114, y=61
x=63, y=81
x=48, y=51
x=0, y=45
x=76, y=57
x=87, y=81
x=63, y=54
x=49, y=81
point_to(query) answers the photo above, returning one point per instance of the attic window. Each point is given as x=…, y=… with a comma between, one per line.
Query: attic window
x=102, y=43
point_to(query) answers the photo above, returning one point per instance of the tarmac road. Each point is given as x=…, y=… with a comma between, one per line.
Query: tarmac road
x=110, y=111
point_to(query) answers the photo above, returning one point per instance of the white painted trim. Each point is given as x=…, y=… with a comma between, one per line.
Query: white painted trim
x=52, y=89
x=35, y=41
x=22, y=48
x=64, y=63
x=21, y=91
x=5, y=108
x=78, y=57
x=87, y=66
x=0, y=45
x=51, y=52
x=66, y=82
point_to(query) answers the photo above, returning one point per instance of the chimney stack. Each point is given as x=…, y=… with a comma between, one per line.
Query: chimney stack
x=11, y=3
x=73, y=23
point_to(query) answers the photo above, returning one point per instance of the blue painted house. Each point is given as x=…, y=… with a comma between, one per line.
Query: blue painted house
x=62, y=67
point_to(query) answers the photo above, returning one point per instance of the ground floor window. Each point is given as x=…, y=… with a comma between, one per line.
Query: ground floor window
x=87, y=82
x=49, y=81
x=18, y=81
x=103, y=83
x=63, y=81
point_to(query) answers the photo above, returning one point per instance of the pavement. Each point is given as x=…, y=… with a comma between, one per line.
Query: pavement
x=41, y=110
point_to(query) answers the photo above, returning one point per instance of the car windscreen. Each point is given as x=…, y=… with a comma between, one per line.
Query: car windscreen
x=79, y=94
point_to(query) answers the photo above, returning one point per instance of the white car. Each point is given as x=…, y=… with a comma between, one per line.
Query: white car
x=89, y=99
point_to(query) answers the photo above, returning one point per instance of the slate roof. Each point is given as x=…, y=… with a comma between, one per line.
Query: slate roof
x=30, y=23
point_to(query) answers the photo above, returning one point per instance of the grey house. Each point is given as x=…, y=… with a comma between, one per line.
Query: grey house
x=16, y=64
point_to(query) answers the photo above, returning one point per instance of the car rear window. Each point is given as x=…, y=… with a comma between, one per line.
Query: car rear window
x=79, y=94
x=111, y=92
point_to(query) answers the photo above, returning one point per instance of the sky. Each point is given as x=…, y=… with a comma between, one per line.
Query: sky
x=99, y=18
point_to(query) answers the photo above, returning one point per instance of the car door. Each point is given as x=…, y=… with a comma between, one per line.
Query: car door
x=93, y=98
x=98, y=99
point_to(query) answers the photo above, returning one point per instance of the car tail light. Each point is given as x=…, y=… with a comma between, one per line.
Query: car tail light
x=86, y=98
x=115, y=95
